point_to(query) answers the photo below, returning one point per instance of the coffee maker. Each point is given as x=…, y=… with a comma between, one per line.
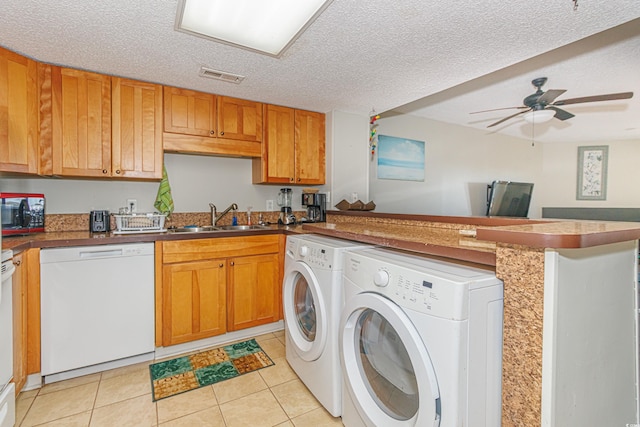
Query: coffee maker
x=316, y=206
x=284, y=201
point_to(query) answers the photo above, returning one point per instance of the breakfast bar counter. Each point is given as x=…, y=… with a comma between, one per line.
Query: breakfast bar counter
x=550, y=270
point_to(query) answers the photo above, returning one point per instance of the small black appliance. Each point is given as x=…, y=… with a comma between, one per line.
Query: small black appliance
x=316, y=206
x=99, y=221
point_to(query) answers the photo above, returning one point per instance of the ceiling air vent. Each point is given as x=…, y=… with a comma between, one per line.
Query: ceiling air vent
x=221, y=75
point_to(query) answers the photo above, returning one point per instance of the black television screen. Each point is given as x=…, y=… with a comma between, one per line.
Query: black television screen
x=508, y=198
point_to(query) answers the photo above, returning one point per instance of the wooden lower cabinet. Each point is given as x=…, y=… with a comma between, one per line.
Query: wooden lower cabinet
x=19, y=322
x=194, y=296
x=212, y=286
x=253, y=291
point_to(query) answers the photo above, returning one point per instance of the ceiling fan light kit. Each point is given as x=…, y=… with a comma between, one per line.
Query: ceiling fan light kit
x=539, y=116
x=541, y=106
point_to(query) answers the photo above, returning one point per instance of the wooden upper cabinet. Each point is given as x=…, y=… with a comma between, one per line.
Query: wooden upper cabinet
x=293, y=151
x=18, y=113
x=310, y=147
x=189, y=112
x=239, y=119
x=202, y=123
x=136, y=137
x=81, y=128
x=277, y=164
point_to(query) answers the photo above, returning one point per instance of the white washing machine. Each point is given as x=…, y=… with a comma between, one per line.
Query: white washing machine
x=420, y=342
x=312, y=302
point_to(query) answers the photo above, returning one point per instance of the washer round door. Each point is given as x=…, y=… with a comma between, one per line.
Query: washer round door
x=304, y=311
x=386, y=367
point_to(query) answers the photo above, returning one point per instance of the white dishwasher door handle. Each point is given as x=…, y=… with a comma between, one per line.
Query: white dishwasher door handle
x=101, y=254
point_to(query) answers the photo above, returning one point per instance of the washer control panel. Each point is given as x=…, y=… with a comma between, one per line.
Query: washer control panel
x=315, y=256
x=427, y=286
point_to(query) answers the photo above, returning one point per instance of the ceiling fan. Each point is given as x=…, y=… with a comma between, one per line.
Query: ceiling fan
x=541, y=100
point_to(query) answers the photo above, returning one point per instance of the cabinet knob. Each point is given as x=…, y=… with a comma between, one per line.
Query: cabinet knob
x=222, y=133
x=118, y=171
x=298, y=179
x=233, y=263
x=212, y=132
x=17, y=263
x=290, y=179
x=221, y=265
x=104, y=171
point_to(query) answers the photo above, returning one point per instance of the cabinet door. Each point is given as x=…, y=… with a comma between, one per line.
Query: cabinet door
x=239, y=119
x=136, y=137
x=19, y=322
x=18, y=113
x=189, y=112
x=81, y=143
x=194, y=301
x=310, y=147
x=254, y=291
x=277, y=164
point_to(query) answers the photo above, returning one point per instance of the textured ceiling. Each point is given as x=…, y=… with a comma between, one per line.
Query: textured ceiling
x=359, y=55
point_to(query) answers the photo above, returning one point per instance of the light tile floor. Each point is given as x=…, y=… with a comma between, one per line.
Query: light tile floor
x=273, y=396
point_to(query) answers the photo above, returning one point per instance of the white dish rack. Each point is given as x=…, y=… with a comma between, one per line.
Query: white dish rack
x=140, y=223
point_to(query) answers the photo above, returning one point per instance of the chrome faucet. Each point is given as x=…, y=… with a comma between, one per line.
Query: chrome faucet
x=214, y=213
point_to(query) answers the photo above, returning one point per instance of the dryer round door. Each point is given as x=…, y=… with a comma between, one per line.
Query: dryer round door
x=305, y=312
x=386, y=367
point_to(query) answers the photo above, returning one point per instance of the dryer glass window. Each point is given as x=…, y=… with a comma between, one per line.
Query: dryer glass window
x=305, y=308
x=385, y=366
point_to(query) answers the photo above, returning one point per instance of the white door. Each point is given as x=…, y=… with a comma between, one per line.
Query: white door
x=305, y=312
x=386, y=367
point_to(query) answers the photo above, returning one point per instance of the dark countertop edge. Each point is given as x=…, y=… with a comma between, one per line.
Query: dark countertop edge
x=469, y=255
x=557, y=241
x=23, y=243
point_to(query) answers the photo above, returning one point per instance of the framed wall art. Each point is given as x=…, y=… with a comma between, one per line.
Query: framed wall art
x=592, y=172
x=400, y=158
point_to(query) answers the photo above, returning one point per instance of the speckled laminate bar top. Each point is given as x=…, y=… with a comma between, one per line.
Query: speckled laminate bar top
x=445, y=242
x=562, y=234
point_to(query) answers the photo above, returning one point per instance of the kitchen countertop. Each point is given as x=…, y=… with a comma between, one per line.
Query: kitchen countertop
x=85, y=238
x=448, y=242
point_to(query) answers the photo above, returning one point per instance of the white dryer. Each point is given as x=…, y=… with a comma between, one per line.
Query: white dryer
x=420, y=342
x=312, y=302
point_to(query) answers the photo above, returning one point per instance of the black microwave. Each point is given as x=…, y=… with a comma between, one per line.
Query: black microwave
x=22, y=213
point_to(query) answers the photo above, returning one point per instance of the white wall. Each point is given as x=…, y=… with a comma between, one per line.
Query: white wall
x=559, y=178
x=459, y=164
x=195, y=181
x=349, y=147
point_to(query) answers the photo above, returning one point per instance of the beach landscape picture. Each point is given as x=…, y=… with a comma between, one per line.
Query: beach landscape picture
x=400, y=158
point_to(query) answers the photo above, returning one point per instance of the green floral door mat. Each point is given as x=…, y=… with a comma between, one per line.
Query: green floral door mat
x=186, y=373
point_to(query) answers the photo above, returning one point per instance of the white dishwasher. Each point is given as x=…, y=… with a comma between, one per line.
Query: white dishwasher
x=97, y=306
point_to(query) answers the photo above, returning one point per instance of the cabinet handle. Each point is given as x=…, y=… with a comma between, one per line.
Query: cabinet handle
x=17, y=263
x=290, y=179
x=118, y=171
x=211, y=132
x=298, y=179
x=104, y=171
x=221, y=265
x=221, y=133
x=233, y=263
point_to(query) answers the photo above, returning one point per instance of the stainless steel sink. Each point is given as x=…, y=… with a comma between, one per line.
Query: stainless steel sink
x=243, y=227
x=210, y=228
x=194, y=229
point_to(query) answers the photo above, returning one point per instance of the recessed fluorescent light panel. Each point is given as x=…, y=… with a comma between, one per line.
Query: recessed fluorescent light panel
x=265, y=26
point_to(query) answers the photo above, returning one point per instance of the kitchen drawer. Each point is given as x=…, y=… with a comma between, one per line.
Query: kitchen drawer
x=222, y=247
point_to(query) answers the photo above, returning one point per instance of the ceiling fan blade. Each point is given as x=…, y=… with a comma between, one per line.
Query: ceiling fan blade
x=560, y=114
x=497, y=109
x=508, y=117
x=596, y=98
x=549, y=96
